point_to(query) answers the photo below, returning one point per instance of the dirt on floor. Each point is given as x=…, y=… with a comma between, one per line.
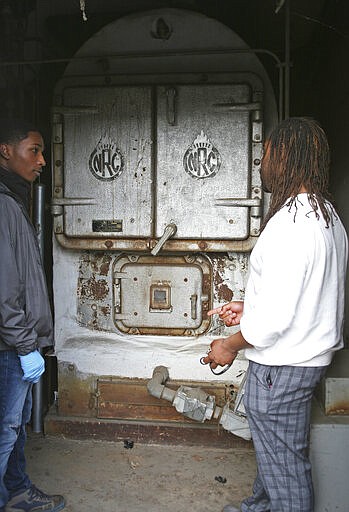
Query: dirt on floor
x=108, y=476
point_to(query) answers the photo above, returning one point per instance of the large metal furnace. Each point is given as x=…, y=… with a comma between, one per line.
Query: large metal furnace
x=158, y=129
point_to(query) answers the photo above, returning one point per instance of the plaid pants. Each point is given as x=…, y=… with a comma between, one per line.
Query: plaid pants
x=278, y=404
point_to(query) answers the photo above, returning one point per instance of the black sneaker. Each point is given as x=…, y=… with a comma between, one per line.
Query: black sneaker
x=34, y=500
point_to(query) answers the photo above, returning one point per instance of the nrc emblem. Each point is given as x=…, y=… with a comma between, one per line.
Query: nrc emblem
x=105, y=162
x=202, y=159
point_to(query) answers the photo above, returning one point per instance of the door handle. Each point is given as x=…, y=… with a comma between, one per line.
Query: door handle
x=169, y=231
x=171, y=106
x=194, y=301
x=255, y=204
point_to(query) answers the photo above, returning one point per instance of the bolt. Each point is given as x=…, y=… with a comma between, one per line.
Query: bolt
x=202, y=245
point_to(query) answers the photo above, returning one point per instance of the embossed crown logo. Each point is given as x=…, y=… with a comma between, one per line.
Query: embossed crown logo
x=106, y=162
x=202, y=141
x=202, y=159
x=106, y=146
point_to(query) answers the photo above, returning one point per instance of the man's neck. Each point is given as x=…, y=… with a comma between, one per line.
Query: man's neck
x=302, y=190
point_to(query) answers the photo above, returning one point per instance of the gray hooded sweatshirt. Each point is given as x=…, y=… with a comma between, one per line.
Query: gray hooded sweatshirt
x=25, y=314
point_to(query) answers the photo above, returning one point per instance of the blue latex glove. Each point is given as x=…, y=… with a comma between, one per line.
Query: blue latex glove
x=33, y=366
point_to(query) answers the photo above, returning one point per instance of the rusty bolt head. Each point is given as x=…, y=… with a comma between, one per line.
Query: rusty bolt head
x=202, y=245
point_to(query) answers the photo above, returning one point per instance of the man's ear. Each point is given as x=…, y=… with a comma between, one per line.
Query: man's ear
x=4, y=151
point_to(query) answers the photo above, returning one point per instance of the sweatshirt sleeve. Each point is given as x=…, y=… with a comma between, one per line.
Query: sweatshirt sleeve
x=278, y=275
x=13, y=323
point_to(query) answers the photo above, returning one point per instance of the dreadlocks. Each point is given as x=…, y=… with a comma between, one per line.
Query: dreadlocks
x=298, y=156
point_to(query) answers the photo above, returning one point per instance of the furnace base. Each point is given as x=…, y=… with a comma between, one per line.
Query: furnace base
x=145, y=432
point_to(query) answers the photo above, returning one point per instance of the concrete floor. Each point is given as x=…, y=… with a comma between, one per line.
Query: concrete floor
x=106, y=476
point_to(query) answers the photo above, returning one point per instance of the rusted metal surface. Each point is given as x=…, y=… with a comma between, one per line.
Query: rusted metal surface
x=338, y=409
x=229, y=277
x=76, y=392
x=143, y=432
x=124, y=399
x=145, y=245
x=334, y=390
x=94, y=291
x=130, y=400
x=110, y=299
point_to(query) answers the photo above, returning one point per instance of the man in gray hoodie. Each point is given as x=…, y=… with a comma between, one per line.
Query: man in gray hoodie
x=25, y=315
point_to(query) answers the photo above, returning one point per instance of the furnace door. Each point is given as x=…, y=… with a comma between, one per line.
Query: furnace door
x=107, y=161
x=137, y=158
x=203, y=154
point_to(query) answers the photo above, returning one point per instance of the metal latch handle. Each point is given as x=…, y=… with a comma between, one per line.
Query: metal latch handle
x=171, y=106
x=237, y=107
x=255, y=204
x=57, y=203
x=170, y=230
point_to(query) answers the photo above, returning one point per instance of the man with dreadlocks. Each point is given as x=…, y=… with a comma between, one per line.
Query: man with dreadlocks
x=291, y=319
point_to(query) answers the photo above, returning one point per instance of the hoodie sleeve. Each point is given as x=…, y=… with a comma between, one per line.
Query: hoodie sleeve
x=14, y=330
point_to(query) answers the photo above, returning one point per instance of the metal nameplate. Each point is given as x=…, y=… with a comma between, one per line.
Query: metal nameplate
x=114, y=226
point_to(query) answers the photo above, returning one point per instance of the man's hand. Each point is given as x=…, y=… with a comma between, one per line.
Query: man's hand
x=33, y=366
x=220, y=354
x=230, y=313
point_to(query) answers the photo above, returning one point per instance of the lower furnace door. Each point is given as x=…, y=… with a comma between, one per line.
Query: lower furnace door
x=162, y=296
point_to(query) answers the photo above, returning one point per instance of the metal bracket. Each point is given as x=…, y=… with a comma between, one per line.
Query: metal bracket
x=57, y=203
x=78, y=109
x=255, y=204
x=237, y=107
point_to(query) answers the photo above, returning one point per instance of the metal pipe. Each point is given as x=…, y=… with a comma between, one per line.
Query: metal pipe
x=39, y=215
x=193, y=403
x=38, y=218
x=196, y=404
x=143, y=244
x=281, y=92
x=287, y=59
x=156, y=385
x=135, y=55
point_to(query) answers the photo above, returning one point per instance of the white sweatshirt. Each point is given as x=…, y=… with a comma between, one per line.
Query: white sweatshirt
x=294, y=302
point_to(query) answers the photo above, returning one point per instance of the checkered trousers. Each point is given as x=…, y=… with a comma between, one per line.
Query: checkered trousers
x=278, y=404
